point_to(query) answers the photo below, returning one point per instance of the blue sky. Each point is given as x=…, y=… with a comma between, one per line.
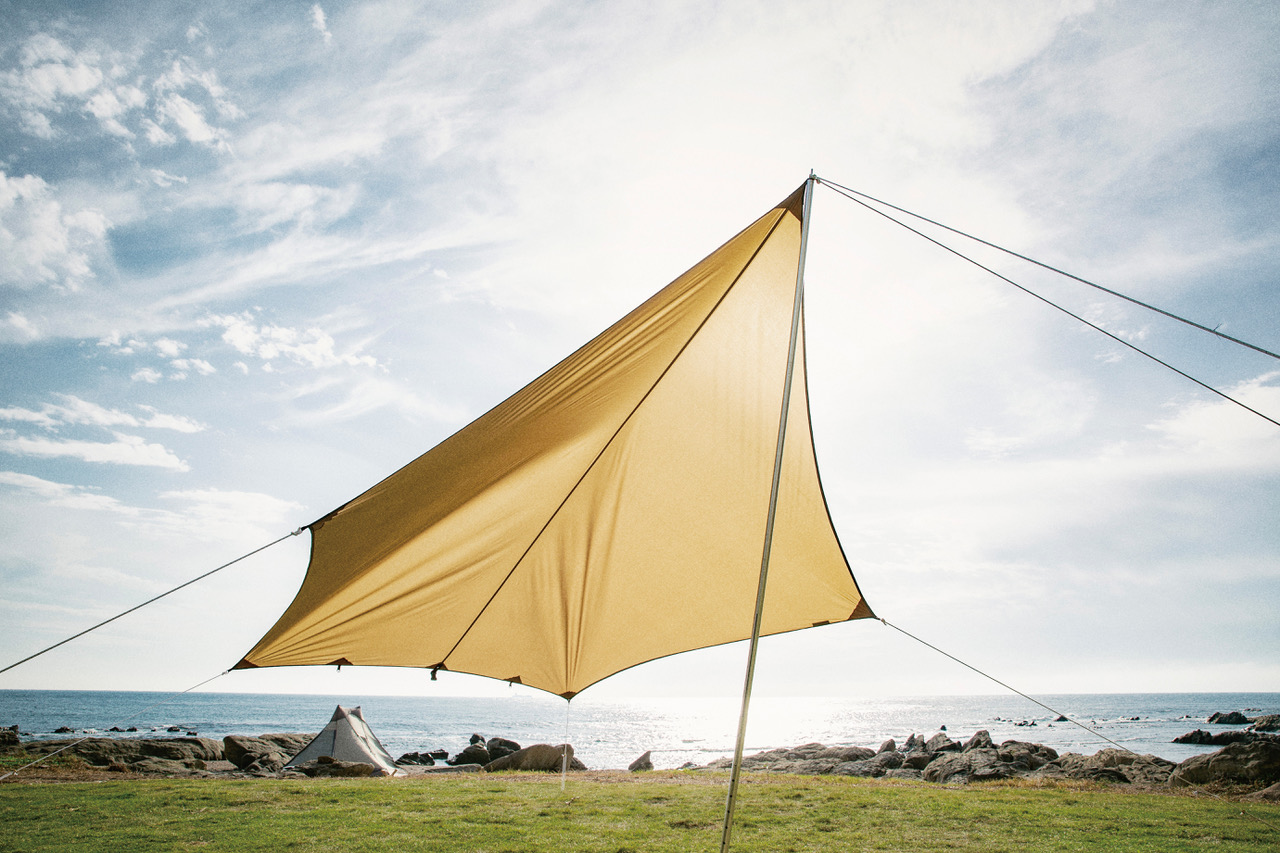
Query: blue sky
x=254, y=258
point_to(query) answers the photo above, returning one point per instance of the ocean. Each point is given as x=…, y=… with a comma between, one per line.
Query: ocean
x=610, y=733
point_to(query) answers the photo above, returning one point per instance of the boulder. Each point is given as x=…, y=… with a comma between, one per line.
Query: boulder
x=1204, y=738
x=103, y=751
x=980, y=740
x=915, y=743
x=888, y=746
x=439, y=754
x=876, y=766
x=1023, y=756
x=1111, y=765
x=500, y=746
x=416, y=758
x=1229, y=718
x=242, y=750
x=540, y=756
x=477, y=739
x=1248, y=763
x=975, y=765
x=328, y=766
x=1266, y=795
x=644, y=762
x=941, y=743
x=473, y=754
x=1265, y=723
x=9, y=738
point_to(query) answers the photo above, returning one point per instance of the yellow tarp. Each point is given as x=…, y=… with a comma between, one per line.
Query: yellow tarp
x=610, y=513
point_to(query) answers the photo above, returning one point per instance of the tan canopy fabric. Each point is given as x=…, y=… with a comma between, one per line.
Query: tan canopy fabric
x=610, y=513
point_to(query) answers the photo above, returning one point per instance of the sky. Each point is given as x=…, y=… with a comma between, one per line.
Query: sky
x=254, y=257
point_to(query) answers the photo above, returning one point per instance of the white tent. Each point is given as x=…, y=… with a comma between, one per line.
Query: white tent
x=348, y=738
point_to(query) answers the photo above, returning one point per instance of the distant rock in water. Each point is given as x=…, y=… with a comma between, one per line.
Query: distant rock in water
x=1266, y=723
x=642, y=763
x=1230, y=718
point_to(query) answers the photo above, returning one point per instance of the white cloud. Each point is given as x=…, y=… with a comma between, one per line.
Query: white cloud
x=169, y=348
x=124, y=450
x=147, y=374
x=25, y=330
x=319, y=24
x=199, y=365
x=309, y=348
x=75, y=411
x=64, y=495
x=40, y=242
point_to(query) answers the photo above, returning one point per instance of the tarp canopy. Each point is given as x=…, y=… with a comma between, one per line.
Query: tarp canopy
x=609, y=513
x=348, y=738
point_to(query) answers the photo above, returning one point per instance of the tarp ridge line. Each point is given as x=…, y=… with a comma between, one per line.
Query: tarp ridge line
x=607, y=444
x=1213, y=331
x=1223, y=394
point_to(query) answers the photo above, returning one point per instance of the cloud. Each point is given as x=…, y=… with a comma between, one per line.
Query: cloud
x=75, y=411
x=40, y=242
x=63, y=495
x=310, y=347
x=169, y=348
x=182, y=366
x=318, y=22
x=25, y=330
x=147, y=374
x=125, y=450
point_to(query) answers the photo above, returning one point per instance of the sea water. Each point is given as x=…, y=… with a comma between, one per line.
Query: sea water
x=610, y=733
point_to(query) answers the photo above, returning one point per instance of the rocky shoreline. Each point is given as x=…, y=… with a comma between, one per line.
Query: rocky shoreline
x=1249, y=757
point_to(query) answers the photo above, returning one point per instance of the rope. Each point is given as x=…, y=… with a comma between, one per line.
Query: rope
x=1058, y=307
x=156, y=704
x=846, y=191
x=1033, y=700
x=152, y=600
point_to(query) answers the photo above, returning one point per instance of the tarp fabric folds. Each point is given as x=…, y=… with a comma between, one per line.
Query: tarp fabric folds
x=609, y=513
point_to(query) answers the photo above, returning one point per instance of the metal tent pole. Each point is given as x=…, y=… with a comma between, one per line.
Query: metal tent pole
x=732, y=799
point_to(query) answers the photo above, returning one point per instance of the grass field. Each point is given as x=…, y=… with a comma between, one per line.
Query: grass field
x=616, y=812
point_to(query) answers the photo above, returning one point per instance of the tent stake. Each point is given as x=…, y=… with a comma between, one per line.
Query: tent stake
x=732, y=798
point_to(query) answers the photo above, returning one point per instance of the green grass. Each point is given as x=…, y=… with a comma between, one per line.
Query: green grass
x=659, y=812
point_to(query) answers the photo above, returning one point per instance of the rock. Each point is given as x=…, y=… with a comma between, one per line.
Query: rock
x=644, y=762
x=980, y=740
x=115, y=729
x=1230, y=718
x=174, y=729
x=973, y=766
x=1061, y=719
x=878, y=765
x=941, y=743
x=1025, y=757
x=439, y=754
x=1249, y=763
x=1204, y=738
x=9, y=739
x=540, y=756
x=242, y=750
x=473, y=754
x=500, y=746
x=416, y=758
x=918, y=760
x=268, y=765
x=477, y=739
x=1269, y=795
x=63, y=730
x=1266, y=723
x=328, y=766
x=103, y=752
x=888, y=746
x=1116, y=765
x=915, y=743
